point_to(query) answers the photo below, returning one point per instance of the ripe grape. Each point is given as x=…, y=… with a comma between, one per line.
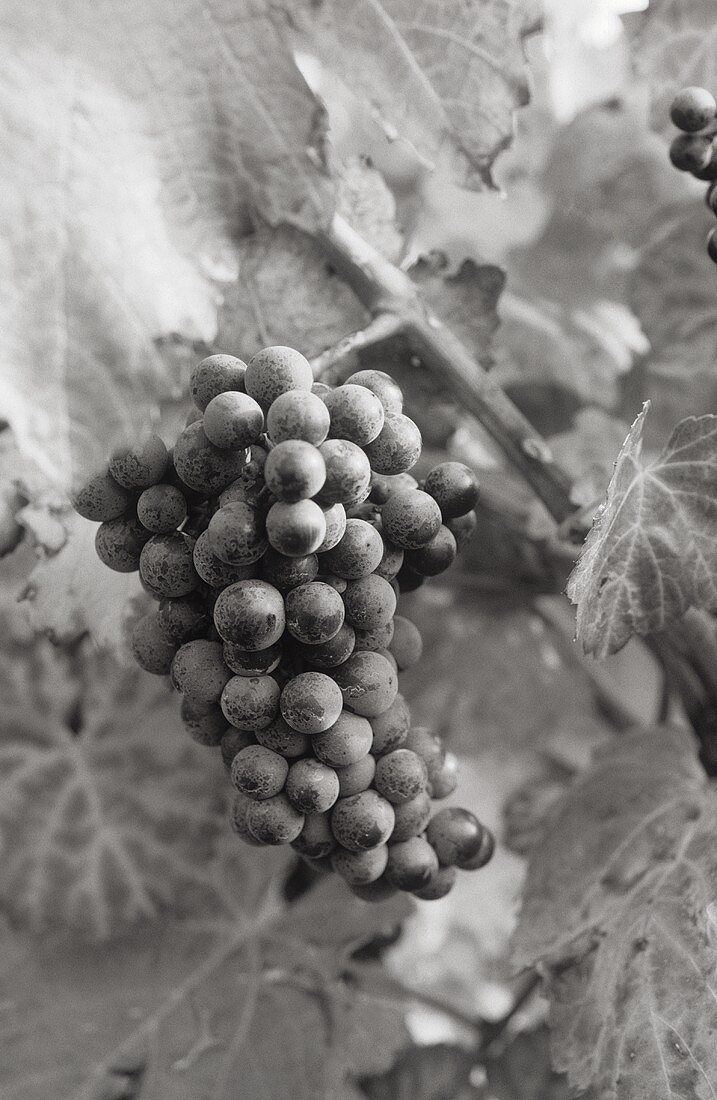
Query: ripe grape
x=314, y=613
x=162, y=508
x=150, y=647
x=384, y=485
x=453, y=487
x=370, y=603
x=166, y=565
x=311, y=702
x=411, y=518
x=356, y=414
x=201, y=465
x=101, y=498
x=482, y=856
x=280, y=737
x=391, y=560
x=368, y=683
x=332, y=653
x=348, y=473
x=693, y=108
x=456, y=835
x=712, y=245
x=389, y=657
x=315, y=841
x=233, y=420
x=411, y=817
x=119, y=543
x=254, y=662
x=377, y=891
x=357, y=554
x=274, y=820
x=360, y=868
x=140, y=467
x=183, y=618
x=690, y=152
x=294, y=470
x=398, y=446
x=205, y=724
x=250, y=702
x=233, y=741
x=411, y=864
x=258, y=772
x=214, y=375
x=407, y=643
x=238, y=819
x=276, y=370
x=387, y=391
x=198, y=671
x=287, y=573
x=356, y=777
x=435, y=556
x=212, y=569
x=335, y=517
x=336, y=582
x=236, y=534
x=362, y=821
x=408, y=580
x=390, y=729
x=296, y=529
x=311, y=786
x=440, y=883
x=249, y=485
x=298, y=414
x=345, y=742
x=463, y=528
x=377, y=639
x=400, y=775
x=443, y=781
x=250, y=614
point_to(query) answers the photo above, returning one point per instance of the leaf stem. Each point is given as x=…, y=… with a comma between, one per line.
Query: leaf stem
x=380, y=327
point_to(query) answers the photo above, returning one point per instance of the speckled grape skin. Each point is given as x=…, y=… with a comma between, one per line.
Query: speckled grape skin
x=101, y=499
x=314, y=612
x=214, y=375
x=315, y=839
x=249, y=486
x=391, y=560
x=370, y=603
x=454, y=488
x=400, y=776
x=333, y=653
x=258, y=772
x=443, y=781
x=411, y=864
x=183, y=618
x=233, y=420
x=161, y=508
x=428, y=746
x=274, y=820
x=140, y=467
x=237, y=817
x=463, y=528
x=277, y=370
x=440, y=883
x=390, y=729
x=368, y=683
x=201, y=465
x=151, y=649
x=360, y=868
x=410, y=519
x=205, y=724
x=380, y=383
x=167, y=567
x=411, y=818
x=294, y=470
x=296, y=529
x=375, y=640
x=385, y=485
x=312, y=787
x=236, y=534
x=336, y=582
x=199, y=672
x=212, y=570
x=335, y=516
x=280, y=737
x=299, y=414
x=348, y=473
x=456, y=835
x=259, y=662
x=407, y=643
x=363, y=821
x=250, y=702
x=119, y=543
x=356, y=414
x=357, y=777
x=347, y=741
x=398, y=448
x=250, y=614
x=233, y=741
x=288, y=573
x=436, y=556
x=311, y=702
x=358, y=553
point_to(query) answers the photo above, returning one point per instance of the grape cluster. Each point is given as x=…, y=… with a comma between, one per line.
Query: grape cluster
x=276, y=537
x=694, y=112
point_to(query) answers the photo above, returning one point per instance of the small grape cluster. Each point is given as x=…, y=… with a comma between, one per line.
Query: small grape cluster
x=276, y=537
x=694, y=112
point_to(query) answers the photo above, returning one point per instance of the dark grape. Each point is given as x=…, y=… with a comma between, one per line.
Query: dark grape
x=166, y=565
x=709, y=172
x=233, y=420
x=377, y=639
x=408, y=580
x=311, y=786
x=453, y=487
x=335, y=517
x=236, y=534
x=311, y=702
x=296, y=529
x=391, y=560
x=463, y=528
x=482, y=856
x=201, y=465
x=314, y=613
x=360, y=868
x=411, y=864
x=428, y=746
x=238, y=818
x=440, y=883
x=384, y=485
x=288, y=573
x=387, y=391
x=101, y=499
x=400, y=775
x=712, y=245
x=277, y=370
x=294, y=470
x=183, y=618
x=356, y=414
x=390, y=729
x=436, y=556
x=298, y=414
x=250, y=702
x=345, y=742
x=199, y=672
x=407, y=643
x=233, y=741
x=362, y=821
x=140, y=467
x=443, y=781
x=348, y=473
x=336, y=582
x=119, y=543
x=258, y=772
x=274, y=820
x=456, y=835
x=370, y=603
x=250, y=614
x=151, y=649
x=161, y=509
x=398, y=446
x=690, y=152
x=253, y=662
x=249, y=485
x=356, y=777
x=410, y=518
x=357, y=554
x=333, y=653
x=280, y=737
x=368, y=683
x=693, y=108
x=377, y=891
x=315, y=839
x=212, y=569
x=411, y=818
x=204, y=723
x=710, y=199
x=214, y=375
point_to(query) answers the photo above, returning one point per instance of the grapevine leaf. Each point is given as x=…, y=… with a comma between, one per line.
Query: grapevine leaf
x=619, y=914
x=651, y=552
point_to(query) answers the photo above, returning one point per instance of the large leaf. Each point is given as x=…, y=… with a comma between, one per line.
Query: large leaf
x=651, y=552
x=619, y=914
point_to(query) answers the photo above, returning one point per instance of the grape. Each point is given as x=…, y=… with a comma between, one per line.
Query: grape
x=198, y=516
x=214, y=375
x=249, y=485
x=360, y=868
x=274, y=820
x=456, y=835
x=440, y=883
x=400, y=775
x=411, y=864
x=387, y=391
x=436, y=556
x=368, y=683
x=365, y=510
x=377, y=891
x=362, y=821
x=379, y=638
x=710, y=199
x=238, y=818
x=198, y=671
x=390, y=729
x=332, y=653
x=347, y=741
x=357, y=554
x=444, y=780
x=166, y=565
x=408, y=580
x=712, y=245
x=298, y=414
x=212, y=569
x=258, y=772
x=348, y=473
x=453, y=487
x=335, y=517
x=388, y=656
x=314, y=613
x=411, y=518
x=233, y=420
x=294, y=470
x=119, y=543
x=205, y=724
x=356, y=414
x=250, y=614
x=250, y=702
x=411, y=818
x=482, y=856
x=463, y=528
x=140, y=467
x=151, y=649
x=337, y=583
x=101, y=499
x=183, y=618
x=161, y=509
x=277, y=370
x=201, y=465
x=311, y=786
x=391, y=561
x=283, y=739
x=428, y=746
x=693, y=108
x=709, y=172
x=311, y=702
x=356, y=777
x=407, y=643
x=236, y=534
x=397, y=448
x=690, y=152
x=233, y=741
x=287, y=573
x=370, y=603
x=296, y=529
x=315, y=839
x=255, y=662
x=384, y=485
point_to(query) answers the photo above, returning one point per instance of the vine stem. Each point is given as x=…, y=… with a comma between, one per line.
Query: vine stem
x=388, y=293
